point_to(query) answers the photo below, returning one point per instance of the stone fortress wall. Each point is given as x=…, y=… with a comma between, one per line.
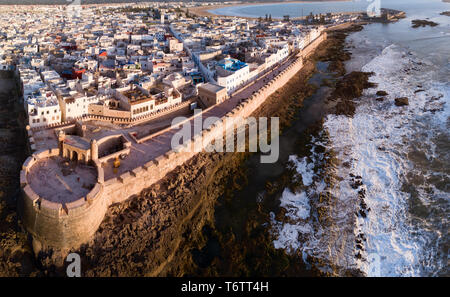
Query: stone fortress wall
x=57, y=224
x=69, y=225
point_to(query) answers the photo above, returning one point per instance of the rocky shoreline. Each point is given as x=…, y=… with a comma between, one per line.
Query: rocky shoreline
x=347, y=88
x=170, y=228
x=160, y=232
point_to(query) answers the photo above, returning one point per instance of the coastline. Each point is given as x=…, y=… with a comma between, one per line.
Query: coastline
x=190, y=210
x=156, y=221
x=323, y=203
x=190, y=214
x=204, y=11
x=212, y=176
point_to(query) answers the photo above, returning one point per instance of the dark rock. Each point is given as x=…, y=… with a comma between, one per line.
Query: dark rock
x=380, y=99
x=382, y=93
x=423, y=23
x=351, y=86
x=402, y=101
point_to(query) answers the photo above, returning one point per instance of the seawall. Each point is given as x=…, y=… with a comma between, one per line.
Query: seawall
x=68, y=225
x=62, y=225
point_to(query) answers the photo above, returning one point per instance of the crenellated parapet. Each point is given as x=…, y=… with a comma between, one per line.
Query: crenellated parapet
x=60, y=224
x=67, y=224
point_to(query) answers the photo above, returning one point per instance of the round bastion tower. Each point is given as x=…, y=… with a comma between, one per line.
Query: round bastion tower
x=62, y=198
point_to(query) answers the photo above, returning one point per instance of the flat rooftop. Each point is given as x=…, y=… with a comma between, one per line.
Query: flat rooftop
x=212, y=87
x=78, y=142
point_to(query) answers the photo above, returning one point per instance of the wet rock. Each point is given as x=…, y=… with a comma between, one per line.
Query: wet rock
x=380, y=99
x=423, y=23
x=362, y=193
x=382, y=93
x=350, y=87
x=363, y=205
x=402, y=101
x=362, y=213
x=435, y=98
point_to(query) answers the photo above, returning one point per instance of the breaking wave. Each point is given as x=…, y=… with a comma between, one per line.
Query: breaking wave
x=389, y=206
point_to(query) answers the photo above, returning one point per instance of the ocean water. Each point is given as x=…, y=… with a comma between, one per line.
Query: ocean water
x=392, y=160
x=417, y=7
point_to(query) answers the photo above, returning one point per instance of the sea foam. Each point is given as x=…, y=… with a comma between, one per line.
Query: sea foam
x=378, y=145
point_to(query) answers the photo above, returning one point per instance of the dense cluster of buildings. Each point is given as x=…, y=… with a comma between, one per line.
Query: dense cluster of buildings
x=128, y=61
x=231, y=52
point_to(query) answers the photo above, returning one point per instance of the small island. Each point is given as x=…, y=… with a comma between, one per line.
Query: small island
x=447, y=13
x=423, y=23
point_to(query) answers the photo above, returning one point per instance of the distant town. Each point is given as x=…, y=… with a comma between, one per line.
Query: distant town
x=92, y=56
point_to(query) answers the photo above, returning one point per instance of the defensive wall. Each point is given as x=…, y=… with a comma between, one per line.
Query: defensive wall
x=62, y=225
x=69, y=225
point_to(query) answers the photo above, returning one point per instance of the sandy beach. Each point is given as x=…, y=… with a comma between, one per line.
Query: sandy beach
x=205, y=10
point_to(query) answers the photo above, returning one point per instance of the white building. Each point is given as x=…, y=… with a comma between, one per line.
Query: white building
x=42, y=108
x=75, y=105
x=232, y=74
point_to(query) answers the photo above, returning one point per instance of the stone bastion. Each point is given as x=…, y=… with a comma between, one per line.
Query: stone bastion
x=56, y=210
x=64, y=206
